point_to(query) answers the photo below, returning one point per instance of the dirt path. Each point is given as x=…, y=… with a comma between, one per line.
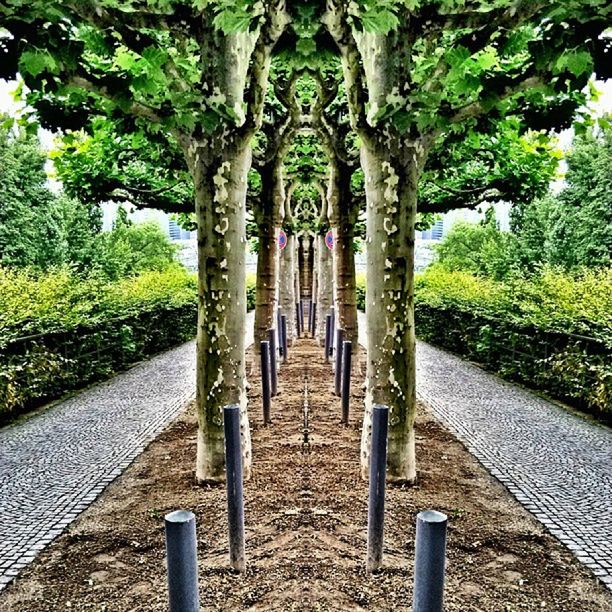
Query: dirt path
x=306, y=516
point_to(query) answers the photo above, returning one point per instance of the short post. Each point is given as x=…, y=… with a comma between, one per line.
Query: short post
x=182, y=554
x=347, y=357
x=284, y=337
x=302, y=315
x=333, y=330
x=328, y=333
x=273, y=363
x=313, y=319
x=279, y=326
x=376, y=500
x=265, y=380
x=297, y=319
x=429, y=561
x=233, y=477
x=338, y=372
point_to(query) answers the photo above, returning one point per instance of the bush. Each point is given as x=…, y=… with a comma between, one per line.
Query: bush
x=552, y=332
x=59, y=331
x=251, y=288
x=361, y=289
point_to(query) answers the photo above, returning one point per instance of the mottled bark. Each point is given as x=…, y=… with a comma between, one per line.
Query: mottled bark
x=267, y=217
x=220, y=369
x=287, y=284
x=344, y=212
x=391, y=191
x=325, y=284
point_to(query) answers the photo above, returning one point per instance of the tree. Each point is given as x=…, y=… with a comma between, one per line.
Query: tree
x=38, y=229
x=416, y=74
x=194, y=74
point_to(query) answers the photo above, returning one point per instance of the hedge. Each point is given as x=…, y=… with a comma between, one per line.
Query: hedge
x=552, y=332
x=60, y=332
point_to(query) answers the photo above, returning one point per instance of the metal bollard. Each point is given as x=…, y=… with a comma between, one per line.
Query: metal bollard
x=182, y=554
x=273, y=364
x=376, y=500
x=347, y=357
x=429, y=561
x=328, y=332
x=313, y=319
x=279, y=326
x=233, y=477
x=297, y=319
x=284, y=337
x=333, y=330
x=338, y=371
x=302, y=316
x=265, y=380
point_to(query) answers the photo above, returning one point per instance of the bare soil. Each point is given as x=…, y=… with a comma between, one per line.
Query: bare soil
x=306, y=509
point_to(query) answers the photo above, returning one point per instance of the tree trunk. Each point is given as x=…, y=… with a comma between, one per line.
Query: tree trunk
x=220, y=371
x=344, y=213
x=265, y=292
x=325, y=283
x=267, y=217
x=287, y=284
x=391, y=192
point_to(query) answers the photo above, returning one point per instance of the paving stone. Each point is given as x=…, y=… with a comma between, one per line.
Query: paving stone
x=556, y=463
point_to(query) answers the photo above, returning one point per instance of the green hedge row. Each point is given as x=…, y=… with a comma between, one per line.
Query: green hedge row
x=552, y=332
x=60, y=332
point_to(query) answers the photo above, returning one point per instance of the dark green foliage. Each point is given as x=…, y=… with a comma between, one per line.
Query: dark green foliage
x=38, y=229
x=60, y=332
x=573, y=228
x=552, y=333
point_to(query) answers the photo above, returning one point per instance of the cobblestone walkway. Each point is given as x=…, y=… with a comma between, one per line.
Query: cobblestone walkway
x=55, y=464
x=556, y=464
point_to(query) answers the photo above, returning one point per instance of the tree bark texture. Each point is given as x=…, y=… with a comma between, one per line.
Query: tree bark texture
x=391, y=193
x=344, y=213
x=325, y=284
x=287, y=284
x=220, y=369
x=267, y=217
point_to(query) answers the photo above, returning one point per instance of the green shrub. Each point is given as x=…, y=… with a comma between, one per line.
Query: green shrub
x=552, y=332
x=59, y=331
x=361, y=289
x=251, y=289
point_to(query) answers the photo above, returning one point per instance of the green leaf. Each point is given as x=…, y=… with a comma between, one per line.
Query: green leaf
x=577, y=62
x=36, y=62
x=306, y=46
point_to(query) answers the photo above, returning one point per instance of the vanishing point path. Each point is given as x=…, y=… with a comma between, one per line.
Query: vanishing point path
x=55, y=464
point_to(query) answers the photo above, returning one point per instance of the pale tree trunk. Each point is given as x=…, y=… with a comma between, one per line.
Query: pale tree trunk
x=297, y=287
x=325, y=285
x=286, y=282
x=391, y=193
x=220, y=369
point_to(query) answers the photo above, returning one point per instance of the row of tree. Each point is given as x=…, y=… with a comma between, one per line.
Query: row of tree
x=406, y=100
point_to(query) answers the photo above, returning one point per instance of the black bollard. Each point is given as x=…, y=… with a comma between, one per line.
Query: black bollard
x=347, y=357
x=284, y=337
x=265, y=380
x=338, y=371
x=313, y=319
x=302, y=316
x=376, y=500
x=233, y=477
x=279, y=326
x=297, y=319
x=328, y=332
x=273, y=364
x=333, y=330
x=429, y=561
x=182, y=555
